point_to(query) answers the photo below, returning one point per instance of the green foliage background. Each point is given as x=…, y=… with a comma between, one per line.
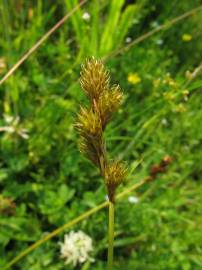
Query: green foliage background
x=45, y=175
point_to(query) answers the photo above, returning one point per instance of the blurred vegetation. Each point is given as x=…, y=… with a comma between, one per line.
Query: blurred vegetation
x=44, y=180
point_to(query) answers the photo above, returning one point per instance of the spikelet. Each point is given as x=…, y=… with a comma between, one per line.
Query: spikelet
x=94, y=78
x=109, y=102
x=115, y=173
x=92, y=149
x=89, y=123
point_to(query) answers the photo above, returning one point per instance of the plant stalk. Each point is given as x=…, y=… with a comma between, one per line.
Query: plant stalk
x=111, y=236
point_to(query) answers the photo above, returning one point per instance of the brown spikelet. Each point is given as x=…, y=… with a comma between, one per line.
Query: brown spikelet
x=166, y=161
x=109, y=102
x=89, y=123
x=94, y=78
x=115, y=173
x=161, y=167
x=89, y=150
x=92, y=149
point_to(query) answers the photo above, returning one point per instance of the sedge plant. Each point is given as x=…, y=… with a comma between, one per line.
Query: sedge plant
x=92, y=120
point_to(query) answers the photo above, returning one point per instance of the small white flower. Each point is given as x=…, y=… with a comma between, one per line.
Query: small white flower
x=76, y=248
x=23, y=133
x=14, y=127
x=128, y=39
x=133, y=199
x=8, y=118
x=185, y=98
x=155, y=24
x=106, y=197
x=159, y=41
x=164, y=122
x=7, y=129
x=86, y=16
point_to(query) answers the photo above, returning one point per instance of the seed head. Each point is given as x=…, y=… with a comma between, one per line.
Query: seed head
x=94, y=78
x=109, y=102
x=104, y=101
x=92, y=149
x=115, y=174
x=89, y=123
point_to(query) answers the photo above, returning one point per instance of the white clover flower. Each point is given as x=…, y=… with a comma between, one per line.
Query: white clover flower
x=133, y=199
x=86, y=16
x=76, y=248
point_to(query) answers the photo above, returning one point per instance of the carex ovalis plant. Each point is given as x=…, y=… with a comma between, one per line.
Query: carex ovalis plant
x=104, y=101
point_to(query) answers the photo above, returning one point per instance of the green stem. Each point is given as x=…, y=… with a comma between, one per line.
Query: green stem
x=111, y=236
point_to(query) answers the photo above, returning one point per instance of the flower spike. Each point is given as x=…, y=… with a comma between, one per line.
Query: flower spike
x=91, y=122
x=94, y=78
